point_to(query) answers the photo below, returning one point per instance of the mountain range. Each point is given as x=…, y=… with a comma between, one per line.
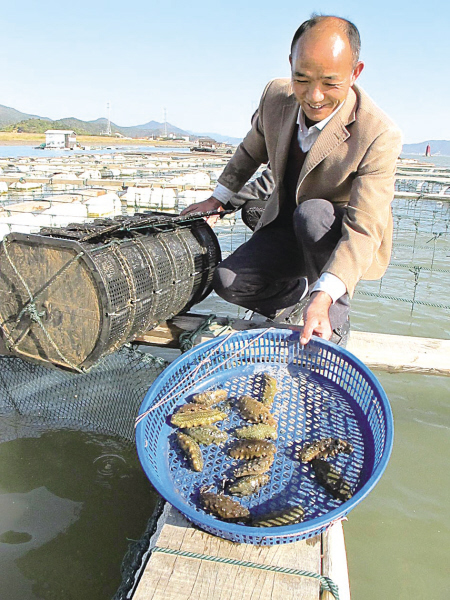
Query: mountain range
x=12, y=120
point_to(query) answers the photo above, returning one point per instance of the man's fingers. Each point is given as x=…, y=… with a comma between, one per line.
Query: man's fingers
x=317, y=320
x=306, y=334
x=314, y=326
x=189, y=209
x=207, y=205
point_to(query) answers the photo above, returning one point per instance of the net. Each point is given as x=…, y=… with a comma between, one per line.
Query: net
x=34, y=397
x=418, y=275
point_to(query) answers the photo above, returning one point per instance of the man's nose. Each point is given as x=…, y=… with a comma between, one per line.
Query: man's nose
x=315, y=94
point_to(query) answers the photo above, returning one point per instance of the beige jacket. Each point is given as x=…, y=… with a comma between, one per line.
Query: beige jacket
x=351, y=163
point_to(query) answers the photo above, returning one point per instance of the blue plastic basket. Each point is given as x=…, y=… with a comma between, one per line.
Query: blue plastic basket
x=323, y=391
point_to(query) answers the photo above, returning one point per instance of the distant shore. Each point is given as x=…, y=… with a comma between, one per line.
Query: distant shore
x=34, y=139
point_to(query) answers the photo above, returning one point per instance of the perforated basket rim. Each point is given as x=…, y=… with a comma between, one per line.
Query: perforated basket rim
x=265, y=535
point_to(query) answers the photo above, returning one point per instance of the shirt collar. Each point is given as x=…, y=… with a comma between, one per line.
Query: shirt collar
x=318, y=126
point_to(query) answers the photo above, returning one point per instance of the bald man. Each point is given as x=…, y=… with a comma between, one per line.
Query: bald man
x=327, y=223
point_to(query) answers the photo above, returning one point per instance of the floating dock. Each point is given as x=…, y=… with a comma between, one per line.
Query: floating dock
x=393, y=353
x=184, y=562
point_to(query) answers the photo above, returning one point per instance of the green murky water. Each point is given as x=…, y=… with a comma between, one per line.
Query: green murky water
x=398, y=538
x=69, y=504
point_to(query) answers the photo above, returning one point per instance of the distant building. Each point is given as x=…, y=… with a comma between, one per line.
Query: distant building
x=207, y=142
x=60, y=138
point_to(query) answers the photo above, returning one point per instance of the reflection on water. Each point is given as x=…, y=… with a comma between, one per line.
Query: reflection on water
x=29, y=521
x=69, y=504
x=15, y=537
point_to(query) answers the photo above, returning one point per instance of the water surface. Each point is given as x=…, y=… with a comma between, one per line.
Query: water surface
x=35, y=152
x=70, y=503
x=398, y=538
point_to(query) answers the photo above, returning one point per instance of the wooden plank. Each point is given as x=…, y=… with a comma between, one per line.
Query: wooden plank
x=334, y=561
x=167, y=334
x=394, y=353
x=168, y=577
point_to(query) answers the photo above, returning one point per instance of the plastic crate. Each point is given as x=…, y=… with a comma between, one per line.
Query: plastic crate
x=323, y=391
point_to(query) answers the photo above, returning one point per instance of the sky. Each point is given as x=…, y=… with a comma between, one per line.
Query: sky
x=206, y=62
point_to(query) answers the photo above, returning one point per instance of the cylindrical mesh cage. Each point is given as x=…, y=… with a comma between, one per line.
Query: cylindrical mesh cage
x=70, y=296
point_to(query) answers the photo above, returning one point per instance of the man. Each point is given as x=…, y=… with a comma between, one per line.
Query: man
x=333, y=155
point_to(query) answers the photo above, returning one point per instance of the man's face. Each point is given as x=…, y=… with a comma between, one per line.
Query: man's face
x=322, y=71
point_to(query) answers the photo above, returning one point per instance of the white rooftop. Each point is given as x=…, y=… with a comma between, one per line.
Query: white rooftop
x=60, y=131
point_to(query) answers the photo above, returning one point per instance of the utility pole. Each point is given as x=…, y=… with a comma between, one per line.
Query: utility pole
x=108, y=126
x=165, y=122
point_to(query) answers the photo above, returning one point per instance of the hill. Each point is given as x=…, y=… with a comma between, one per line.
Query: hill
x=437, y=147
x=38, y=125
x=14, y=120
x=9, y=116
x=151, y=128
x=97, y=127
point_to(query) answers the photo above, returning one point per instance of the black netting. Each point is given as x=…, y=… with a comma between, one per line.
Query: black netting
x=36, y=398
x=106, y=400
x=72, y=295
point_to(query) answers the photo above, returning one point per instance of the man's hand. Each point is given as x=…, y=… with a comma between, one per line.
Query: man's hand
x=316, y=318
x=207, y=205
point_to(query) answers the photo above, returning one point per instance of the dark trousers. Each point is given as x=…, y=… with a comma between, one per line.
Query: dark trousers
x=265, y=274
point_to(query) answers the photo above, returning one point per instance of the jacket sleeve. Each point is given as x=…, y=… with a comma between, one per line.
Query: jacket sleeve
x=258, y=189
x=250, y=154
x=368, y=216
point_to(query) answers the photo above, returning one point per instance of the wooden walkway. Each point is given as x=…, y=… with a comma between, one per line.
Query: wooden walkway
x=394, y=353
x=175, y=577
x=397, y=353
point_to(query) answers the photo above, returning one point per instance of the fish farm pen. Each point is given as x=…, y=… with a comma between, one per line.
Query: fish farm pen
x=399, y=323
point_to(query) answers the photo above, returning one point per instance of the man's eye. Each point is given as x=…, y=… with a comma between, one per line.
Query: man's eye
x=300, y=81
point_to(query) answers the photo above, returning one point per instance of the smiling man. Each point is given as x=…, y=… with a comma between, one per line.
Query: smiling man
x=327, y=223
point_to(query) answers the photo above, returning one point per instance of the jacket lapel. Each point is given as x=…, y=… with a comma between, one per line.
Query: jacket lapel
x=288, y=121
x=331, y=136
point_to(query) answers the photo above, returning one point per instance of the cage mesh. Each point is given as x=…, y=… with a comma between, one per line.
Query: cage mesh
x=420, y=257
x=105, y=400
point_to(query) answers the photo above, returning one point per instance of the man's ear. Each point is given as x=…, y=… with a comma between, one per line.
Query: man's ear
x=357, y=71
x=290, y=59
